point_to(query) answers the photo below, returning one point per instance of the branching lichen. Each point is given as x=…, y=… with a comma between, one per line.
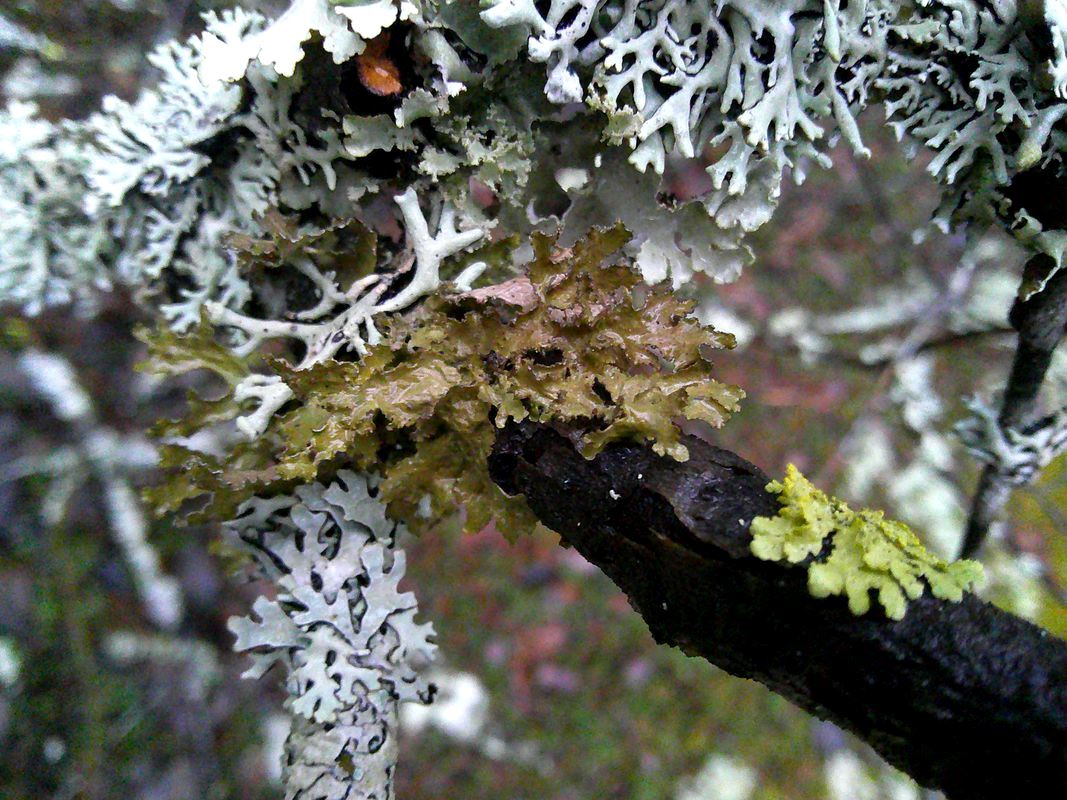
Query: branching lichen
x=354, y=327
x=750, y=82
x=51, y=251
x=755, y=82
x=853, y=553
x=977, y=84
x=252, y=115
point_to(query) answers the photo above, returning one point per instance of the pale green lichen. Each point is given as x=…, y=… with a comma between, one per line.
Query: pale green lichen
x=250, y=115
x=866, y=552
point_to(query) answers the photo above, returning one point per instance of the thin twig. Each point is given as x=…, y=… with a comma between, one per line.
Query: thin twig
x=950, y=339
x=1040, y=321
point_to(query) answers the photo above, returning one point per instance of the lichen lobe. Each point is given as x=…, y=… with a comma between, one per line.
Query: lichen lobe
x=853, y=553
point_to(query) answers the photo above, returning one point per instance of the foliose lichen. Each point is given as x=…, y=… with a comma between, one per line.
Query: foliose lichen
x=853, y=553
x=1017, y=454
x=752, y=82
x=981, y=84
x=51, y=251
x=576, y=338
x=343, y=631
x=258, y=192
x=253, y=115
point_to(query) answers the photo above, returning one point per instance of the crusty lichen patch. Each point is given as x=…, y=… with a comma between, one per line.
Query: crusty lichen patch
x=866, y=551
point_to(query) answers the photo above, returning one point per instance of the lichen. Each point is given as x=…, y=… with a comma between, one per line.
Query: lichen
x=577, y=339
x=1017, y=455
x=853, y=553
x=981, y=85
x=258, y=190
x=345, y=28
x=799, y=531
x=343, y=631
x=752, y=83
x=252, y=115
x=51, y=250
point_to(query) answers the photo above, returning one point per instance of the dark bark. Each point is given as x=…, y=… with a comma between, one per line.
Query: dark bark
x=961, y=696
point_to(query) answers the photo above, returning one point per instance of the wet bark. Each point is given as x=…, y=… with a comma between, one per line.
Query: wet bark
x=961, y=696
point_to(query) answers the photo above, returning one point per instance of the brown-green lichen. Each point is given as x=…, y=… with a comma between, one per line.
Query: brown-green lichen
x=854, y=552
x=577, y=339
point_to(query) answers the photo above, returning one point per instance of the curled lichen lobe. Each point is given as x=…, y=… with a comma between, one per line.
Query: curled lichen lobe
x=852, y=553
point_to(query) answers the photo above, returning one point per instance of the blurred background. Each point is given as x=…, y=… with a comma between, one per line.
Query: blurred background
x=862, y=331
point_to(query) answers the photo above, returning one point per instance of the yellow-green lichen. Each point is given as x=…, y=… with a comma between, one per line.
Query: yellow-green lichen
x=802, y=524
x=866, y=552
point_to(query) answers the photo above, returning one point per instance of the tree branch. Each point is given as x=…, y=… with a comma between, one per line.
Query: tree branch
x=943, y=694
x=1040, y=322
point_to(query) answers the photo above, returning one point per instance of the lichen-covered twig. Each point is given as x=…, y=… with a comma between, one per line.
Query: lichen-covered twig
x=929, y=316
x=1041, y=321
x=344, y=633
x=949, y=686
x=55, y=379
